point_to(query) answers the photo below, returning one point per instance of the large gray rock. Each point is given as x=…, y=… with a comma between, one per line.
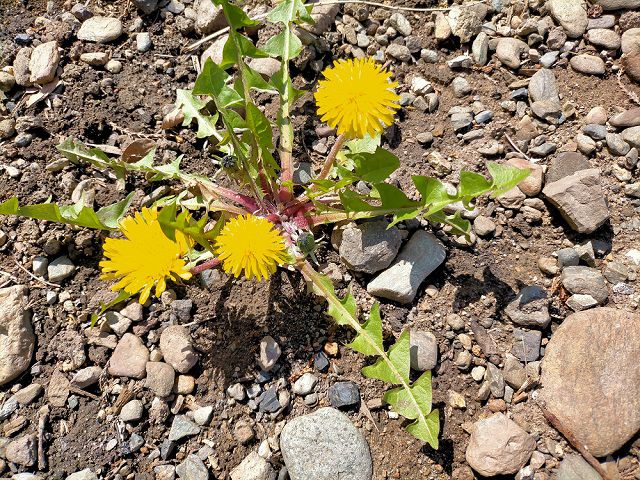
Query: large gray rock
x=323, y=17
x=325, y=445
x=498, y=446
x=100, y=29
x=628, y=118
x=422, y=254
x=580, y=200
x=44, y=62
x=618, y=4
x=565, y=164
x=591, y=377
x=588, y=64
x=214, y=52
x=571, y=14
x=585, y=281
x=630, y=40
x=370, y=246
x=530, y=308
x=22, y=451
x=423, y=350
x=16, y=333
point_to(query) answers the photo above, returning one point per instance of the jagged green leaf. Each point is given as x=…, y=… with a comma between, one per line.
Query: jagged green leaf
x=396, y=370
x=212, y=81
x=190, y=106
x=78, y=214
x=427, y=430
x=369, y=342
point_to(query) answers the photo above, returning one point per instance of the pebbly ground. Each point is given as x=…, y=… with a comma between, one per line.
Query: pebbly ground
x=230, y=379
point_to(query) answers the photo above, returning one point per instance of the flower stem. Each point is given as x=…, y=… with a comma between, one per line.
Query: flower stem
x=328, y=163
x=211, y=263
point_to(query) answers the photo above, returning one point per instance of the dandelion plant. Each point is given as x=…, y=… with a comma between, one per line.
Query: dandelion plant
x=264, y=221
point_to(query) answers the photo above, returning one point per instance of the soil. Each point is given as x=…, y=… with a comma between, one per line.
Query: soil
x=230, y=317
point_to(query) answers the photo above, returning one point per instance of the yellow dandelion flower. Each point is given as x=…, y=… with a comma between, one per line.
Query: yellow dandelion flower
x=145, y=257
x=357, y=97
x=250, y=245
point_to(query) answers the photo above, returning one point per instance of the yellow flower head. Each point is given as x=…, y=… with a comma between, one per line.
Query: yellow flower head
x=357, y=98
x=145, y=257
x=251, y=245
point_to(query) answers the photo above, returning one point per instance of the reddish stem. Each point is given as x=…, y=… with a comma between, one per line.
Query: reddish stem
x=211, y=263
x=246, y=201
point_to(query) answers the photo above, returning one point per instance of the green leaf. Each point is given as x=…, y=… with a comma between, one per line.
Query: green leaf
x=212, y=81
x=290, y=11
x=397, y=369
x=473, y=184
x=427, y=430
x=239, y=45
x=191, y=106
x=375, y=167
x=368, y=144
x=505, y=177
x=105, y=219
x=367, y=341
x=236, y=17
x=277, y=45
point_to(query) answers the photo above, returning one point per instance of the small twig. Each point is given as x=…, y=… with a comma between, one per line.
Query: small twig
x=84, y=393
x=328, y=163
x=516, y=147
x=42, y=426
x=37, y=279
x=194, y=46
x=577, y=444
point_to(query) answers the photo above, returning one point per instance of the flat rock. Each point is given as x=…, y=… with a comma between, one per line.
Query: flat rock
x=422, y=254
x=253, y=467
x=466, y=21
x=177, y=348
x=542, y=86
x=603, y=37
x=22, y=451
x=631, y=64
x=628, y=118
x=591, y=379
x=498, y=446
x=344, y=450
x=192, y=468
x=129, y=359
x=182, y=427
x=585, y=281
x=565, y=164
x=571, y=14
x=323, y=17
x=574, y=467
x=588, y=64
x=270, y=352
x=370, y=246
x=44, y=62
x=16, y=333
x=214, y=51
x=100, y=29
x=526, y=344
x=530, y=308
x=580, y=200
x=86, y=474
x=618, y=4
x=60, y=269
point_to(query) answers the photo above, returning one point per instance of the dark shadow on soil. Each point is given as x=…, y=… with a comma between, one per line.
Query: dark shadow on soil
x=470, y=289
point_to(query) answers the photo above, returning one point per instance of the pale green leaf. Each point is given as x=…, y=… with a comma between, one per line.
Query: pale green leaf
x=397, y=369
x=369, y=342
